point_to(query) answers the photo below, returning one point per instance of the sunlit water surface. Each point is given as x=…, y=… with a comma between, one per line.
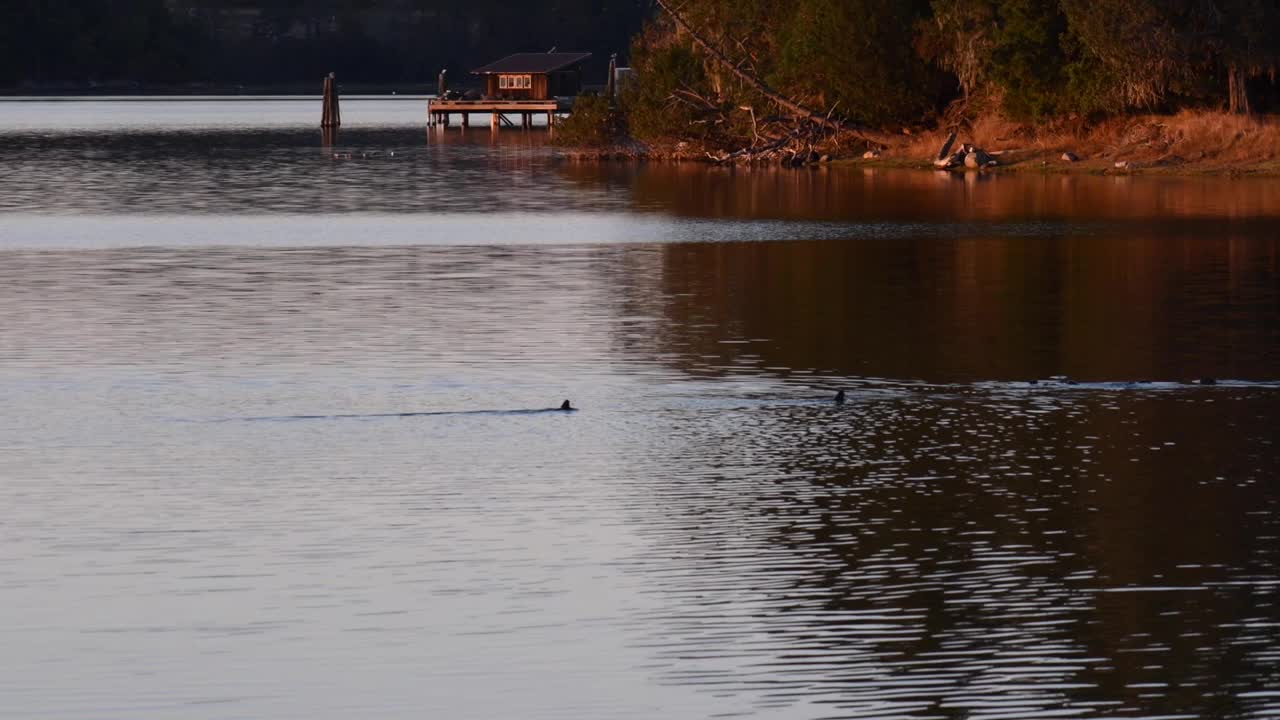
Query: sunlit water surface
x=268, y=445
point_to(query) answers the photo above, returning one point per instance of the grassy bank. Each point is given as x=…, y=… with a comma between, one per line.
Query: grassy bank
x=1186, y=143
x=1189, y=142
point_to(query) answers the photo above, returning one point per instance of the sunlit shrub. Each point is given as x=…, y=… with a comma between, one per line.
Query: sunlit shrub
x=594, y=122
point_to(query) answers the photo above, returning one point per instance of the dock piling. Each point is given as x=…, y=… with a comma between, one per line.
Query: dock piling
x=330, y=115
x=325, y=120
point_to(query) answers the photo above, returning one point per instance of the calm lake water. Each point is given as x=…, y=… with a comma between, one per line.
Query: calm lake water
x=267, y=447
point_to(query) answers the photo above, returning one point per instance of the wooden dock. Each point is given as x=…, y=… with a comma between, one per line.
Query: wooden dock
x=441, y=112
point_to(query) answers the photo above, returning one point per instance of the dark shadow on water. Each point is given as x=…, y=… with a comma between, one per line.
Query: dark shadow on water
x=981, y=308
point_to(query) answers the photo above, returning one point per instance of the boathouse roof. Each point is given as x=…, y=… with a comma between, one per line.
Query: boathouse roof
x=532, y=63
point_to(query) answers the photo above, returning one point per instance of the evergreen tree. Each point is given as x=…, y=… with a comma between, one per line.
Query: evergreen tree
x=856, y=56
x=1027, y=59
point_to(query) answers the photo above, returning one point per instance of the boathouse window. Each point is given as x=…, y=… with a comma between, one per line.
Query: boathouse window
x=515, y=82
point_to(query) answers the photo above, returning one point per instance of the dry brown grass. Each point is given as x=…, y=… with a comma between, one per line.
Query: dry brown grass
x=1189, y=141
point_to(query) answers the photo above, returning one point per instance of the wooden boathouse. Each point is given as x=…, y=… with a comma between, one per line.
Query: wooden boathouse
x=521, y=85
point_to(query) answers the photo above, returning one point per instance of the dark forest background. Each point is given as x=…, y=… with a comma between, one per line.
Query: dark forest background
x=79, y=44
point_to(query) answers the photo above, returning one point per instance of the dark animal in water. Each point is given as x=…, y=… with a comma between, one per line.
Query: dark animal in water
x=1208, y=381
x=566, y=406
x=839, y=398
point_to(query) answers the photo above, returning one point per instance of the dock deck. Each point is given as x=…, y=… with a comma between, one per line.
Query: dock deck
x=441, y=111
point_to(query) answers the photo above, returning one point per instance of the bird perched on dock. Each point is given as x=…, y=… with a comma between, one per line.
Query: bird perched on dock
x=839, y=399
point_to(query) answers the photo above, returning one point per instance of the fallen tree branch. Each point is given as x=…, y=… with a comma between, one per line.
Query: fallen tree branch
x=755, y=153
x=791, y=106
x=696, y=99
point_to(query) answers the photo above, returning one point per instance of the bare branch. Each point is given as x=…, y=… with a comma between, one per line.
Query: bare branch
x=797, y=110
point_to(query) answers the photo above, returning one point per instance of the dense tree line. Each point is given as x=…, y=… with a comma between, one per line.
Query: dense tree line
x=903, y=61
x=872, y=61
x=49, y=43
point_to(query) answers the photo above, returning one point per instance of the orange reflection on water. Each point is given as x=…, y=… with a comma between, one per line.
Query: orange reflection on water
x=848, y=192
x=1126, y=308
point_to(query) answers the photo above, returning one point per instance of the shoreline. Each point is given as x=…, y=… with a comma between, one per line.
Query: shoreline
x=1185, y=144
x=1189, y=143
x=1042, y=163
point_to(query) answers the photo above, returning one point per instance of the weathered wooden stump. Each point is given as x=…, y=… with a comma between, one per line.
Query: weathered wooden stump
x=330, y=115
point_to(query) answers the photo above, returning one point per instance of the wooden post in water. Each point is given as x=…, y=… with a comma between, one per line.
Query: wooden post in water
x=495, y=121
x=325, y=120
x=330, y=116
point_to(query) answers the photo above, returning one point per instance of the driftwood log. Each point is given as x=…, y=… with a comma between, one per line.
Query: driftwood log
x=945, y=153
x=968, y=156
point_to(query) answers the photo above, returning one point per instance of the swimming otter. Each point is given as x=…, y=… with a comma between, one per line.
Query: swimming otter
x=566, y=406
x=839, y=398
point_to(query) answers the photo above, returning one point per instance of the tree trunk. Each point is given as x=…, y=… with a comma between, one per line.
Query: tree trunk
x=791, y=106
x=1237, y=90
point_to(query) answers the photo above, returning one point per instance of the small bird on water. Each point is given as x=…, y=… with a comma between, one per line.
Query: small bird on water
x=839, y=399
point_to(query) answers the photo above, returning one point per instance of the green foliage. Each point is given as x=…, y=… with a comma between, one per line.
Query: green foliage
x=594, y=122
x=957, y=38
x=664, y=69
x=1091, y=86
x=1026, y=58
x=856, y=56
x=883, y=62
